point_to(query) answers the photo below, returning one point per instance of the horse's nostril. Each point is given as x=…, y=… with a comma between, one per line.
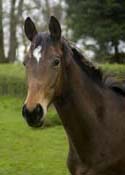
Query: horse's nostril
x=33, y=117
x=24, y=110
x=39, y=110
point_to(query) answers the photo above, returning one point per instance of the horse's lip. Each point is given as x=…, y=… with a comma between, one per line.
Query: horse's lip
x=36, y=125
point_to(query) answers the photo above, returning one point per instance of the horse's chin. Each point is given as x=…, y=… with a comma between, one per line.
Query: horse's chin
x=36, y=125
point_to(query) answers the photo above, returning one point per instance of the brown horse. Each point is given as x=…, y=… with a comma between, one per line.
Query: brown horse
x=92, y=110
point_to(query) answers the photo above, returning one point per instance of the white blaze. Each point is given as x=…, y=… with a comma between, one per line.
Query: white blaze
x=37, y=53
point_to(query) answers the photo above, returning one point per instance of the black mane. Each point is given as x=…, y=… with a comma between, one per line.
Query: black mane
x=96, y=74
x=93, y=72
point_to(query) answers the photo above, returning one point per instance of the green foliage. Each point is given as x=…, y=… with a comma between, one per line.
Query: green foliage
x=27, y=151
x=12, y=80
x=104, y=59
x=103, y=20
x=116, y=69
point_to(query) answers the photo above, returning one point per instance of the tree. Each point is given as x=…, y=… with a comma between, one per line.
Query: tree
x=14, y=21
x=102, y=20
x=2, y=54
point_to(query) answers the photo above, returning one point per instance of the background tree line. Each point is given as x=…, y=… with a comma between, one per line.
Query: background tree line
x=103, y=21
x=12, y=15
x=100, y=21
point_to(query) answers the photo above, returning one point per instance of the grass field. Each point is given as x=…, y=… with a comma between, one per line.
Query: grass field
x=27, y=151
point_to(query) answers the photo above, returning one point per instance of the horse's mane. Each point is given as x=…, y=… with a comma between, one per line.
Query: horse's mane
x=92, y=71
x=96, y=73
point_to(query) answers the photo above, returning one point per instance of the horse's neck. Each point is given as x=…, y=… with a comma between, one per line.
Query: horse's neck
x=77, y=109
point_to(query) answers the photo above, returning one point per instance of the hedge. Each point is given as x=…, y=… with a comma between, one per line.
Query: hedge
x=12, y=80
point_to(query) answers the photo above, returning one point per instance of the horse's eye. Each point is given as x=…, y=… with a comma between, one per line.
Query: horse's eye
x=56, y=62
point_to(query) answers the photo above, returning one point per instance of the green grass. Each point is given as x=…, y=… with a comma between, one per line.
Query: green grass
x=27, y=151
x=118, y=69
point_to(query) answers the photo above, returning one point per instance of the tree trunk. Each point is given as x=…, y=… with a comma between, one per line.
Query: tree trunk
x=2, y=54
x=13, y=40
x=15, y=19
x=20, y=10
x=19, y=19
x=116, y=56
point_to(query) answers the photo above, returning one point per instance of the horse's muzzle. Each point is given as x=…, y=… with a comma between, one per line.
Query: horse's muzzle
x=35, y=117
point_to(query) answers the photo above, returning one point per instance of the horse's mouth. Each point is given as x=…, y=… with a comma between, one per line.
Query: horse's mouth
x=37, y=124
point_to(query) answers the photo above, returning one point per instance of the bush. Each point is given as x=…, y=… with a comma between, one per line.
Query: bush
x=115, y=69
x=12, y=80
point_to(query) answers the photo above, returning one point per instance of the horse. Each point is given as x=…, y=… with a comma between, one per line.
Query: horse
x=91, y=107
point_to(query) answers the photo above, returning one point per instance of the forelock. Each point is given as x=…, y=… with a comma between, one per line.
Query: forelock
x=41, y=39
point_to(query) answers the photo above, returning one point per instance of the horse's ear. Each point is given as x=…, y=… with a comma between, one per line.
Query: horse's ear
x=54, y=28
x=29, y=28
